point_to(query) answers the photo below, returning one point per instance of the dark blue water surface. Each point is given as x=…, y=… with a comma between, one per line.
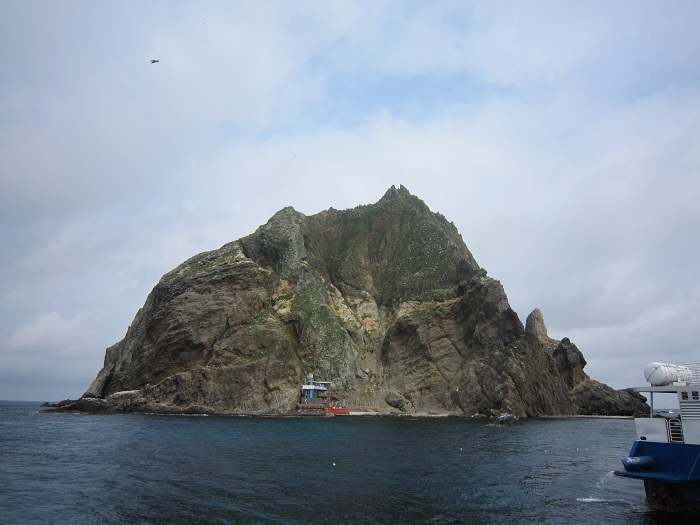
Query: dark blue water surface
x=133, y=469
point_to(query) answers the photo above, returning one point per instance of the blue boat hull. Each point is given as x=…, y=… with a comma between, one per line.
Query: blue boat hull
x=670, y=471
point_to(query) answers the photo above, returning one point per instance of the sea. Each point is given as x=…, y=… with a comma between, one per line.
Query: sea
x=150, y=469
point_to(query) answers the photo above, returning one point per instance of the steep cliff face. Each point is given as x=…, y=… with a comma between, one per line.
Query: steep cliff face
x=384, y=300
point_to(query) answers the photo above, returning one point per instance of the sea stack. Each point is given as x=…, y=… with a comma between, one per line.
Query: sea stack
x=385, y=301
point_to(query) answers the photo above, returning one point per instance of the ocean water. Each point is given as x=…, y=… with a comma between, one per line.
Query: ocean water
x=141, y=469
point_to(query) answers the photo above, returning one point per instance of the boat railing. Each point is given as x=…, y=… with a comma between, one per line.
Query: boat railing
x=694, y=372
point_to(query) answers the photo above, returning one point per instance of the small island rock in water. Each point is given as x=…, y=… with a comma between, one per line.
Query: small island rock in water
x=384, y=300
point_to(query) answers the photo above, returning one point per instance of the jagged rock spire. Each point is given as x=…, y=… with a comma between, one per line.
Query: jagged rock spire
x=535, y=324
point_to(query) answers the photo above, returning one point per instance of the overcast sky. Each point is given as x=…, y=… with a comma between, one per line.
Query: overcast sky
x=561, y=138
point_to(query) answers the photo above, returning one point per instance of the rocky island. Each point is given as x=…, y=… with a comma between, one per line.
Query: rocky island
x=383, y=300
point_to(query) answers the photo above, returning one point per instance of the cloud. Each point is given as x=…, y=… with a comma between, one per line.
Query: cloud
x=49, y=354
x=561, y=139
x=52, y=331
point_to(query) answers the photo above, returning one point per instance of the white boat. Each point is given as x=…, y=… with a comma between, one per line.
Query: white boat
x=666, y=452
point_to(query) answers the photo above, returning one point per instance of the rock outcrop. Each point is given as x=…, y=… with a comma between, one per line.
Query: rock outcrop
x=590, y=397
x=535, y=325
x=384, y=300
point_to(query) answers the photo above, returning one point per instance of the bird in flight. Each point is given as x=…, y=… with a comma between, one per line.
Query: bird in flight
x=153, y=61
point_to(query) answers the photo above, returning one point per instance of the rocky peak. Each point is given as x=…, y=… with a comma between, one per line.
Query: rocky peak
x=535, y=324
x=401, y=197
x=279, y=244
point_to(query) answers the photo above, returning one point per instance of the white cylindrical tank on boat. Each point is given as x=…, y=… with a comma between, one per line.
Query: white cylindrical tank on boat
x=662, y=374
